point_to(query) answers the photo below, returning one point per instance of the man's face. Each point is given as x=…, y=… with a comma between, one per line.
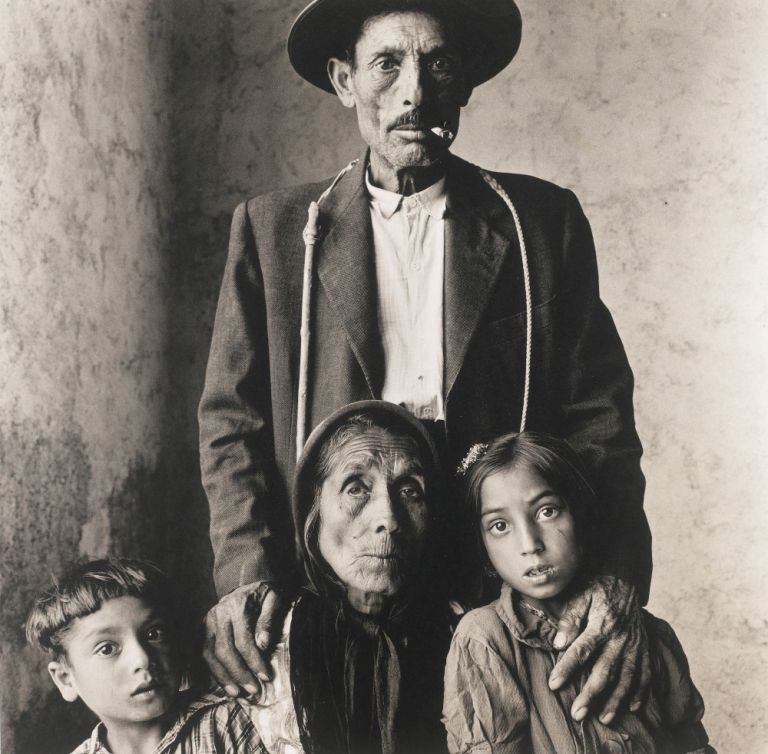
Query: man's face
x=406, y=79
x=121, y=662
x=373, y=516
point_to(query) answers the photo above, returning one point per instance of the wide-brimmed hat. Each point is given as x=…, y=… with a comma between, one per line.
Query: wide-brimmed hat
x=490, y=28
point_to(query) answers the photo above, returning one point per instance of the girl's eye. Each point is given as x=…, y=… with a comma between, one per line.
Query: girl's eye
x=548, y=512
x=107, y=649
x=498, y=527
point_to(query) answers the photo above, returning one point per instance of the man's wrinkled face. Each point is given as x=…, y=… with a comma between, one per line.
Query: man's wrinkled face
x=405, y=79
x=373, y=515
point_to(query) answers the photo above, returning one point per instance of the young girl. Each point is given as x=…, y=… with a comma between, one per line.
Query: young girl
x=534, y=509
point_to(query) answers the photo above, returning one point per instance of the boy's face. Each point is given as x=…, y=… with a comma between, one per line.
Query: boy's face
x=121, y=662
x=529, y=533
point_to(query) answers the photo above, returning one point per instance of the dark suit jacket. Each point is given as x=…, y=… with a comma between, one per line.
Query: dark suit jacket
x=581, y=385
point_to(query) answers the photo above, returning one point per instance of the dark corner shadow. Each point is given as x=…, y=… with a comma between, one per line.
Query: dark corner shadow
x=53, y=726
x=204, y=77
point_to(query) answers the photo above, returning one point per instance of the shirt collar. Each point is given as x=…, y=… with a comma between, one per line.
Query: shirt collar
x=97, y=744
x=528, y=626
x=431, y=199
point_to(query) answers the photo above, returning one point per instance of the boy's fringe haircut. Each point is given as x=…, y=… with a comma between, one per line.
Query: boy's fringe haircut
x=83, y=590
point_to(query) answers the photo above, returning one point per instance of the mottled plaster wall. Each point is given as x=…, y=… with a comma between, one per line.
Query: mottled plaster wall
x=131, y=132
x=86, y=404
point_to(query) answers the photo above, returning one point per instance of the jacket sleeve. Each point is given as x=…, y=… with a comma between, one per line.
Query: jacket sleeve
x=236, y=453
x=678, y=701
x=484, y=708
x=596, y=384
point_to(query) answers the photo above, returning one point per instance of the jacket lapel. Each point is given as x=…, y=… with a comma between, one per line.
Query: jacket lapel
x=347, y=270
x=479, y=236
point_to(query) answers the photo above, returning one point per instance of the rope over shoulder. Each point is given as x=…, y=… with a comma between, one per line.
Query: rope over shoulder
x=499, y=189
x=310, y=234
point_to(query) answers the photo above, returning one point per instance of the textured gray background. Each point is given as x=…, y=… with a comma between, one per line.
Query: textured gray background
x=128, y=133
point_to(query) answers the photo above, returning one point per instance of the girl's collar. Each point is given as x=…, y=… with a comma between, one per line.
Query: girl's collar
x=529, y=625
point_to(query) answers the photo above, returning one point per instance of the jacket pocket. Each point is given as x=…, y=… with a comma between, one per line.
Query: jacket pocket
x=513, y=327
x=506, y=340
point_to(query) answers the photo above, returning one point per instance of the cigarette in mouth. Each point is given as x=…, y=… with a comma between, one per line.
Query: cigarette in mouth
x=443, y=133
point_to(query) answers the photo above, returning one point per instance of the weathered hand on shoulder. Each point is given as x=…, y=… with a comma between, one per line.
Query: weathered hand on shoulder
x=603, y=626
x=240, y=632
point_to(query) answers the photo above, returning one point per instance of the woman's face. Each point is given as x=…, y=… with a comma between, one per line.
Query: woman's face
x=529, y=533
x=373, y=516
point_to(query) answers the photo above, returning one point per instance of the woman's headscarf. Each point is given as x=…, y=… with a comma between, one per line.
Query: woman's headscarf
x=362, y=683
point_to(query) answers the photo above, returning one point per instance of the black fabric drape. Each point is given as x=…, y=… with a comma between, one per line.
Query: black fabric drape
x=369, y=686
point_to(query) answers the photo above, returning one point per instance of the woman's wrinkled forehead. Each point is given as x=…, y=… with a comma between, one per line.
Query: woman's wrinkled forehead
x=389, y=451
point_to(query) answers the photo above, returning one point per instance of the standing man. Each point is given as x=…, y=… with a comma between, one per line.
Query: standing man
x=469, y=298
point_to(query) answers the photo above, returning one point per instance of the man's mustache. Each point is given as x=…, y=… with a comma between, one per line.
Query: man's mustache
x=415, y=118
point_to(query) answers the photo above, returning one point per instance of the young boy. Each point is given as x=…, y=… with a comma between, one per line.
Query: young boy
x=121, y=641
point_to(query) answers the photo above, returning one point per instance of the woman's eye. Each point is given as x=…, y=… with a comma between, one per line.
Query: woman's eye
x=356, y=490
x=411, y=492
x=107, y=649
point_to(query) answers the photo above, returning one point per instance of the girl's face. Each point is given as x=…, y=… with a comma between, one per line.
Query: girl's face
x=529, y=533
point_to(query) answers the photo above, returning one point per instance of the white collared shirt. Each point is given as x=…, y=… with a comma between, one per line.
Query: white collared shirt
x=409, y=247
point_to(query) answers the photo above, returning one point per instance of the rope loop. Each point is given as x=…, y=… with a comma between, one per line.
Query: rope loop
x=310, y=235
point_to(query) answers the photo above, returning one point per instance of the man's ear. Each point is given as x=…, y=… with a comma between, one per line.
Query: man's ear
x=62, y=677
x=340, y=74
x=466, y=94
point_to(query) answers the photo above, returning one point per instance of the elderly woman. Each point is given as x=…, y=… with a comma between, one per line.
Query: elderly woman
x=359, y=667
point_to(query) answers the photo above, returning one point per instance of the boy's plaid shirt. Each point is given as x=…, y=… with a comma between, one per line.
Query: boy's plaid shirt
x=210, y=725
